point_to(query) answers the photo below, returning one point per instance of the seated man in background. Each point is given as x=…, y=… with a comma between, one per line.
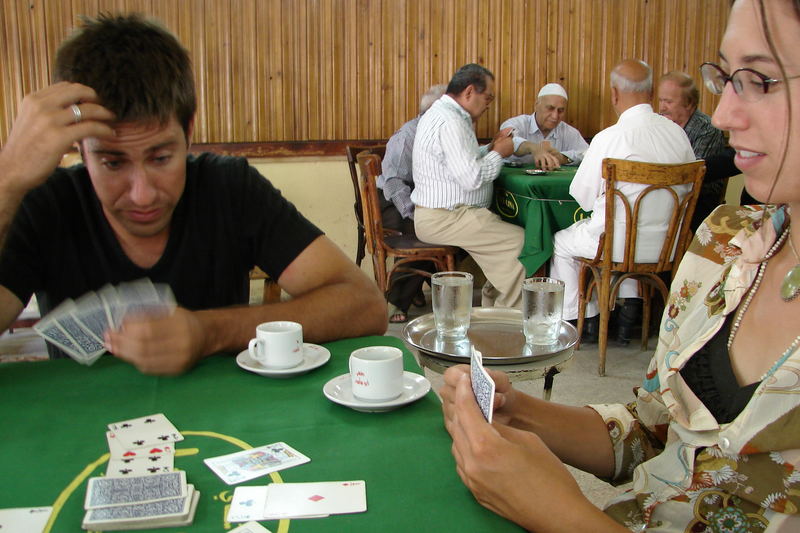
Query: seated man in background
x=140, y=207
x=397, y=210
x=547, y=124
x=677, y=100
x=639, y=135
x=453, y=179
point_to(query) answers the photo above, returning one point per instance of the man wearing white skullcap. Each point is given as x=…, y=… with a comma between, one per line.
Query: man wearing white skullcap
x=547, y=124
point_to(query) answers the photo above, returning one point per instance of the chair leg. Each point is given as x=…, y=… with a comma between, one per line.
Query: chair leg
x=582, y=296
x=647, y=295
x=360, y=247
x=604, y=303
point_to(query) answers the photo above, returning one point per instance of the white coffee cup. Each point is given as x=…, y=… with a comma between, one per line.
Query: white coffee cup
x=376, y=373
x=277, y=344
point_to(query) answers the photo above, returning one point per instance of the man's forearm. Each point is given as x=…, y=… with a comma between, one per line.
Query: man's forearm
x=335, y=311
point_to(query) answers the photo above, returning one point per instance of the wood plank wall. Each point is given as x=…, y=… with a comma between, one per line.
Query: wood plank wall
x=330, y=70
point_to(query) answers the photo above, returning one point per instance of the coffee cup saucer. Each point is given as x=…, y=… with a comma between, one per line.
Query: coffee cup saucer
x=314, y=356
x=339, y=390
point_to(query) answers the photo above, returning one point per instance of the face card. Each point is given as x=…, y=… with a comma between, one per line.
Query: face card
x=24, y=519
x=250, y=527
x=303, y=500
x=482, y=385
x=107, y=492
x=249, y=464
x=145, y=431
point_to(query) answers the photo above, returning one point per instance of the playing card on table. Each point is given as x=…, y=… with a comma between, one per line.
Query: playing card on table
x=482, y=385
x=144, y=431
x=157, y=460
x=249, y=464
x=306, y=500
x=118, y=451
x=114, y=491
x=24, y=519
x=248, y=504
x=250, y=527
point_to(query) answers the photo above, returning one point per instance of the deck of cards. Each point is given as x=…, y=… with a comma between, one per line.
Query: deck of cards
x=279, y=501
x=77, y=327
x=140, y=489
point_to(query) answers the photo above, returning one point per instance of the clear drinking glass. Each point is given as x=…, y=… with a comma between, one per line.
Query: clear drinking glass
x=542, y=307
x=451, y=293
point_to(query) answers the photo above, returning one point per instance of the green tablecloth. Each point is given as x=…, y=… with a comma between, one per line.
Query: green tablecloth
x=540, y=204
x=54, y=417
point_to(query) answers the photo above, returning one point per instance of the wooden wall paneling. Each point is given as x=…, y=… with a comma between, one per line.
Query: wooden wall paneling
x=275, y=74
x=9, y=67
x=289, y=70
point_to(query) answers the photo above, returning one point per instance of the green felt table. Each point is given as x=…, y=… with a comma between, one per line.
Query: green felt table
x=54, y=417
x=540, y=204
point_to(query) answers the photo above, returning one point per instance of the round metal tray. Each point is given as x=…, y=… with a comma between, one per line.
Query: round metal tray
x=495, y=332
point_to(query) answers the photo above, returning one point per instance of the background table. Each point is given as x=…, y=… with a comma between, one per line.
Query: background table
x=54, y=417
x=540, y=204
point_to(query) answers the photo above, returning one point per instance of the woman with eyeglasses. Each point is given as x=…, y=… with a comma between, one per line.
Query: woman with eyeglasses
x=712, y=442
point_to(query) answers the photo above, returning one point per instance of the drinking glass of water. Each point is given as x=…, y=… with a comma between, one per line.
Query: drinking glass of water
x=542, y=306
x=451, y=293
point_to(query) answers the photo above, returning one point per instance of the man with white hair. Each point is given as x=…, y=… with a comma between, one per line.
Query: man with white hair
x=547, y=124
x=640, y=134
x=397, y=210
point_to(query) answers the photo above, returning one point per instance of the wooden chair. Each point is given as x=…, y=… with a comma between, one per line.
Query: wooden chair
x=607, y=274
x=272, y=291
x=352, y=152
x=385, y=244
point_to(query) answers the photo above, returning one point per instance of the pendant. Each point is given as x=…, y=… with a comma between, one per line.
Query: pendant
x=790, y=287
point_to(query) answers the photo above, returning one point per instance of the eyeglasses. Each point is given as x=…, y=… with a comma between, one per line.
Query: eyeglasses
x=749, y=84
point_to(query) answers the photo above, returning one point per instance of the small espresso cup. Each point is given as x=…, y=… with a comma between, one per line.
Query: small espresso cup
x=277, y=344
x=376, y=373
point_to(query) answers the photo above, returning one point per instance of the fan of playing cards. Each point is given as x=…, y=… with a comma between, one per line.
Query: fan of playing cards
x=77, y=327
x=140, y=489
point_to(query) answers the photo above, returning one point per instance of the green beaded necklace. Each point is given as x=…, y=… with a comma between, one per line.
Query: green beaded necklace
x=790, y=286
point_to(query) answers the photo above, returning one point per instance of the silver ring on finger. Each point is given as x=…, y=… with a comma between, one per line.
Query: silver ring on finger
x=76, y=112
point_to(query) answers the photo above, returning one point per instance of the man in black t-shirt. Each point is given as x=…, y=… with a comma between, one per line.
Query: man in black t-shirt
x=140, y=206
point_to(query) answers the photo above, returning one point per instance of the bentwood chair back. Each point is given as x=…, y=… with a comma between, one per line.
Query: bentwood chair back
x=352, y=151
x=385, y=244
x=612, y=264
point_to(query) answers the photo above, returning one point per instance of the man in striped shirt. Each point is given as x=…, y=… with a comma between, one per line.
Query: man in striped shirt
x=453, y=184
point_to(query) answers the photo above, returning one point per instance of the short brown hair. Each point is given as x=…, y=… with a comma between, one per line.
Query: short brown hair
x=688, y=88
x=138, y=68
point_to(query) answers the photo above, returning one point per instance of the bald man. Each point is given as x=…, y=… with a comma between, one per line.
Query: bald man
x=640, y=134
x=547, y=124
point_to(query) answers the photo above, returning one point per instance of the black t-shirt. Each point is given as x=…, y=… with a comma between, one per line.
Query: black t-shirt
x=228, y=220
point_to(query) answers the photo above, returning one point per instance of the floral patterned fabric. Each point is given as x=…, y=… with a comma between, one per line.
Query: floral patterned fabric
x=689, y=472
